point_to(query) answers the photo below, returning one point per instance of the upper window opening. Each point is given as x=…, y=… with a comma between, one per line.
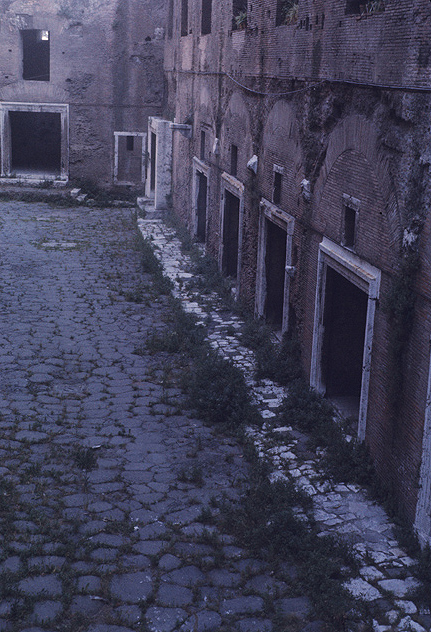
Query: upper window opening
x=359, y=7
x=130, y=143
x=239, y=15
x=35, y=58
x=170, y=19
x=203, y=145
x=184, y=17
x=206, y=17
x=287, y=12
x=234, y=160
x=276, y=191
x=349, y=227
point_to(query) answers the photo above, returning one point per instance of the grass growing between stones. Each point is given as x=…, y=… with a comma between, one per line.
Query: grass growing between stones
x=273, y=519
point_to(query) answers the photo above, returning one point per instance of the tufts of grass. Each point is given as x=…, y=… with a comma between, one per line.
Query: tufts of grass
x=280, y=363
x=85, y=458
x=347, y=462
x=266, y=521
x=217, y=391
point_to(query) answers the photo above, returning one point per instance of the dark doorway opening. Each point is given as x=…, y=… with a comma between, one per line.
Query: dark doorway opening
x=129, y=159
x=153, y=161
x=230, y=235
x=35, y=142
x=343, y=342
x=202, y=206
x=275, y=264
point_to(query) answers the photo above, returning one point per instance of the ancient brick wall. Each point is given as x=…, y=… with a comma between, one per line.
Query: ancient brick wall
x=106, y=60
x=339, y=100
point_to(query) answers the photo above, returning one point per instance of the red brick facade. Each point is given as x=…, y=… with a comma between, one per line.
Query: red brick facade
x=336, y=108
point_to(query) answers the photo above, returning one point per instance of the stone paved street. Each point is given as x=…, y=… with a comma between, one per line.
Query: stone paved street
x=103, y=473
x=385, y=578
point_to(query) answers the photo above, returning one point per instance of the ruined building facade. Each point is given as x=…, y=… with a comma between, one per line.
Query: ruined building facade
x=301, y=158
x=78, y=81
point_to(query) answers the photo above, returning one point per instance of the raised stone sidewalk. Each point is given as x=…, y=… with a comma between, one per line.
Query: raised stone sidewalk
x=385, y=575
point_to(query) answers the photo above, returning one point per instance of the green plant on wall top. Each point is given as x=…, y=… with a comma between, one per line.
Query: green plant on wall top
x=288, y=12
x=239, y=15
x=373, y=6
x=241, y=20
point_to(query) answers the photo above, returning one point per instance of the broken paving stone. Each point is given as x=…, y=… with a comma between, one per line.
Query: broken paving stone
x=131, y=587
x=363, y=590
x=399, y=587
x=371, y=573
x=241, y=605
x=186, y=576
x=89, y=584
x=46, y=611
x=130, y=614
x=48, y=585
x=206, y=621
x=164, y=619
x=85, y=605
x=174, y=595
x=255, y=625
x=406, y=606
x=169, y=562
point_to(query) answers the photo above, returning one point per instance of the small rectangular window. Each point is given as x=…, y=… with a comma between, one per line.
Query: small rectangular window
x=203, y=146
x=234, y=160
x=239, y=15
x=35, y=55
x=349, y=227
x=184, y=17
x=287, y=12
x=130, y=143
x=276, y=192
x=170, y=18
x=206, y=17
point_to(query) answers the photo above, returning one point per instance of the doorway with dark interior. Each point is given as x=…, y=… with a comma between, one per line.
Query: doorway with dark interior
x=35, y=143
x=344, y=320
x=230, y=234
x=275, y=270
x=201, y=206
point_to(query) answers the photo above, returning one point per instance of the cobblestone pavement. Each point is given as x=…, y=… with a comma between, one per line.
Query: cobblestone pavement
x=385, y=574
x=103, y=477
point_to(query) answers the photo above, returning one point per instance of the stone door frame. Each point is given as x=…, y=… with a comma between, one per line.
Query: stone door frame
x=367, y=278
x=143, y=136
x=199, y=167
x=237, y=188
x=286, y=222
x=6, y=140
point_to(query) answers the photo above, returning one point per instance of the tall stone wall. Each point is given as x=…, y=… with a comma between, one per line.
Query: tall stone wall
x=106, y=60
x=338, y=104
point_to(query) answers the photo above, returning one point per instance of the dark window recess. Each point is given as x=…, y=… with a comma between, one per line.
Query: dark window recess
x=184, y=17
x=234, y=160
x=170, y=19
x=203, y=145
x=35, y=55
x=239, y=15
x=349, y=227
x=287, y=12
x=361, y=7
x=323, y=20
x=206, y=17
x=276, y=191
x=353, y=7
x=130, y=143
x=153, y=161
